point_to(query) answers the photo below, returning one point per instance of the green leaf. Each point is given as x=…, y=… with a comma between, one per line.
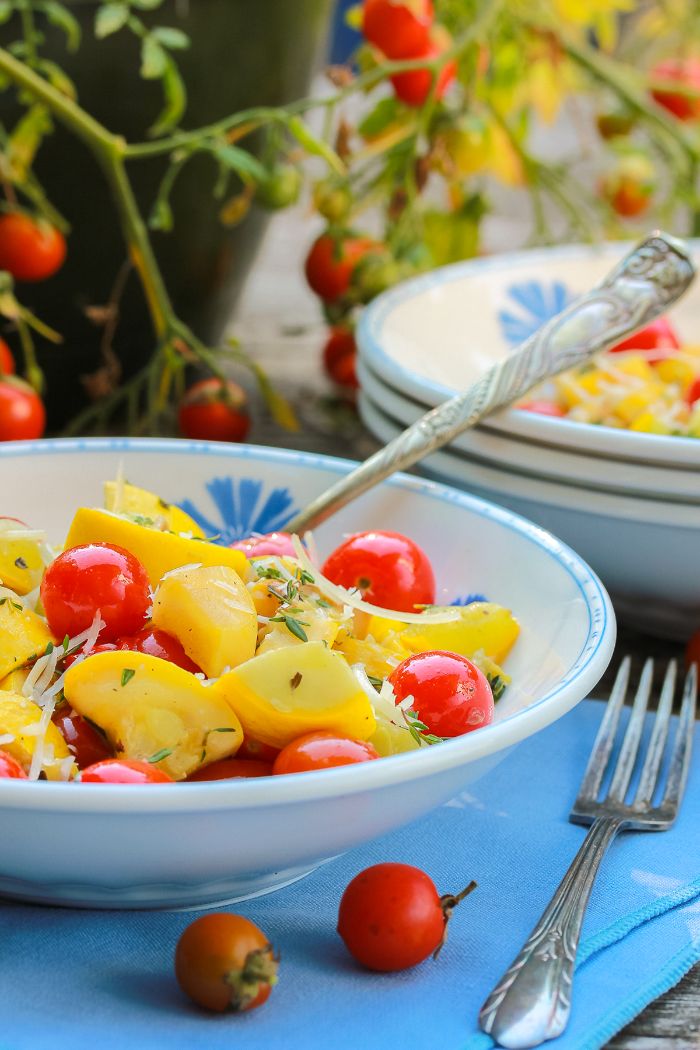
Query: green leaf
x=295, y=628
x=59, y=15
x=57, y=78
x=25, y=140
x=313, y=145
x=146, y=5
x=127, y=674
x=6, y=11
x=161, y=217
x=173, y=39
x=384, y=114
x=154, y=59
x=242, y=162
x=175, y=98
x=164, y=752
x=110, y=18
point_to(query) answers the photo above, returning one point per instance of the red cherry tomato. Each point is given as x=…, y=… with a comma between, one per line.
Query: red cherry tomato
x=400, y=30
x=685, y=102
x=451, y=696
x=10, y=768
x=415, y=86
x=224, y=962
x=154, y=642
x=543, y=408
x=629, y=186
x=232, y=769
x=339, y=354
x=330, y=263
x=30, y=249
x=95, y=578
x=257, y=751
x=693, y=393
x=7, y=361
x=692, y=651
x=389, y=569
x=102, y=647
x=86, y=744
x=123, y=771
x=322, y=750
x=658, y=335
x=391, y=917
x=272, y=544
x=22, y=415
x=214, y=411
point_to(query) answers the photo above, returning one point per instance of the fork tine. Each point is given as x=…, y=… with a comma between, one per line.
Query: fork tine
x=630, y=744
x=680, y=759
x=657, y=744
x=595, y=770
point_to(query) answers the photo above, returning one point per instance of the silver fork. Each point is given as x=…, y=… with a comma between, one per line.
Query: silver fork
x=532, y=1001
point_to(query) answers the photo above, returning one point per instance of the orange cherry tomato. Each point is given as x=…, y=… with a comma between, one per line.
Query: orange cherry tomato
x=214, y=411
x=22, y=414
x=400, y=30
x=30, y=249
x=232, y=769
x=123, y=771
x=629, y=186
x=685, y=102
x=224, y=962
x=330, y=263
x=10, y=767
x=322, y=750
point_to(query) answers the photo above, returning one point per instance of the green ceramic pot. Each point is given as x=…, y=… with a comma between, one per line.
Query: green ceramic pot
x=243, y=53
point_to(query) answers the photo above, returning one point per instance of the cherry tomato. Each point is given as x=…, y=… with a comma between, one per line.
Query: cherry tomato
x=543, y=408
x=614, y=124
x=154, y=642
x=451, y=696
x=232, y=769
x=95, y=578
x=102, y=647
x=391, y=917
x=224, y=962
x=339, y=355
x=658, y=335
x=330, y=263
x=281, y=187
x=257, y=751
x=629, y=186
x=7, y=361
x=30, y=249
x=389, y=569
x=693, y=393
x=86, y=744
x=322, y=750
x=692, y=651
x=273, y=544
x=214, y=411
x=415, y=86
x=10, y=767
x=685, y=102
x=123, y=771
x=400, y=30
x=22, y=415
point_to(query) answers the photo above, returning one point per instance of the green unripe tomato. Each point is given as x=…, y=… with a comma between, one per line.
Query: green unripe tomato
x=281, y=188
x=332, y=200
x=374, y=274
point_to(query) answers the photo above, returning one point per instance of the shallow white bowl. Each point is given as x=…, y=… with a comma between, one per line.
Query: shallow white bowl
x=645, y=550
x=432, y=336
x=197, y=844
x=549, y=462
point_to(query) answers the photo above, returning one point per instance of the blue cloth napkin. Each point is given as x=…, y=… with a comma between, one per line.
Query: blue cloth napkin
x=104, y=979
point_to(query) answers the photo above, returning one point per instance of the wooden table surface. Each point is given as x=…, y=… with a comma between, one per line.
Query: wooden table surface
x=279, y=324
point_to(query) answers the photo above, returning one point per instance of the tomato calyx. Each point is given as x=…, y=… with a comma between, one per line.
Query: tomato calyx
x=257, y=975
x=448, y=903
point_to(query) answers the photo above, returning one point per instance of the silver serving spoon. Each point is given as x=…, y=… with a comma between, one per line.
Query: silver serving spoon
x=641, y=287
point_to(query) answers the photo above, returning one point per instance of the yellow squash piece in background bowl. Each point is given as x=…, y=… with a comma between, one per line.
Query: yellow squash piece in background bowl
x=19, y=719
x=295, y=690
x=211, y=613
x=146, y=706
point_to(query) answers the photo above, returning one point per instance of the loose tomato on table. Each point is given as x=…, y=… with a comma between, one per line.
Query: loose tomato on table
x=451, y=696
x=399, y=28
x=87, y=745
x=389, y=570
x=391, y=916
x=684, y=100
x=214, y=411
x=10, y=767
x=322, y=750
x=330, y=263
x=225, y=962
x=30, y=249
x=22, y=414
x=96, y=578
x=232, y=769
x=123, y=771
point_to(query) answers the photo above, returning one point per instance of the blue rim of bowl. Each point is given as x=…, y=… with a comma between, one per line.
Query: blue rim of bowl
x=598, y=646
x=429, y=392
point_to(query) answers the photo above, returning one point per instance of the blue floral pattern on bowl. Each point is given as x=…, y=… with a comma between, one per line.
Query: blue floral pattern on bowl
x=535, y=302
x=244, y=509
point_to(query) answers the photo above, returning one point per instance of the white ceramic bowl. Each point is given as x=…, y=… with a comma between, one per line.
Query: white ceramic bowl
x=545, y=461
x=645, y=550
x=197, y=844
x=432, y=336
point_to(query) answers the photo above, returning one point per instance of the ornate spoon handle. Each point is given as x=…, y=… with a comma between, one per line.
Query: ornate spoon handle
x=532, y=1001
x=642, y=286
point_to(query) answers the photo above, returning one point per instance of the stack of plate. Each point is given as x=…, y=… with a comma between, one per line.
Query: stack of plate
x=628, y=502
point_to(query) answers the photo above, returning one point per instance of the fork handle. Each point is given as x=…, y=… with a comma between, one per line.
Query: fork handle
x=532, y=1001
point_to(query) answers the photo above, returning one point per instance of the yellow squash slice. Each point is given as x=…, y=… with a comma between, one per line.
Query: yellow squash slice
x=135, y=502
x=22, y=633
x=19, y=719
